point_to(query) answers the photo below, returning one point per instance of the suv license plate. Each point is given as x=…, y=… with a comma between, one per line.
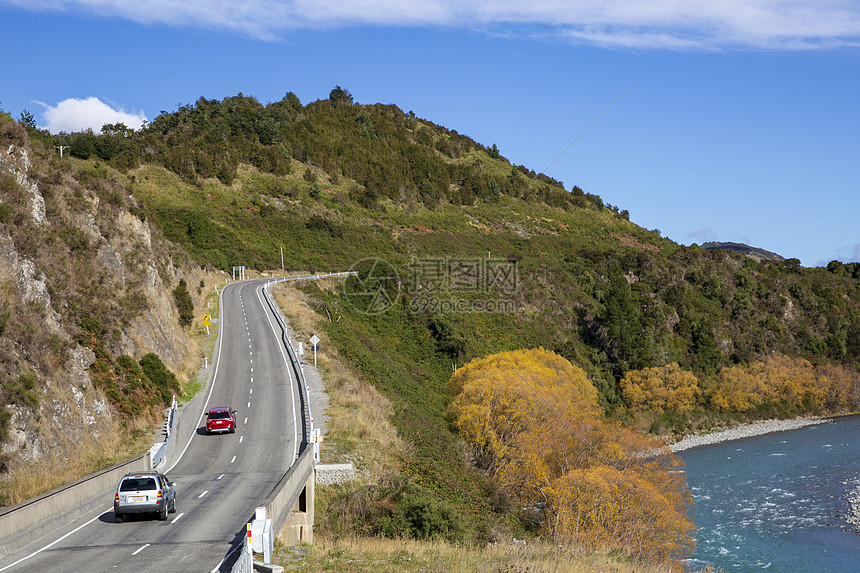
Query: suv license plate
x=136, y=498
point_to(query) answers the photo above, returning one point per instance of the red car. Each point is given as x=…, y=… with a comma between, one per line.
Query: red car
x=221, y=420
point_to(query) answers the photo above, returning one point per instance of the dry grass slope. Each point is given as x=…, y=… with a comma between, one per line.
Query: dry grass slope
x=362, y=555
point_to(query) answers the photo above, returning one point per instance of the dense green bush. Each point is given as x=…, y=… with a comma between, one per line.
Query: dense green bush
x=184, y=303
x=162, y=379
x=396, y=509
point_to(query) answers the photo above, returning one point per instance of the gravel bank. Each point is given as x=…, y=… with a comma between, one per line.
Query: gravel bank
x=745, y=431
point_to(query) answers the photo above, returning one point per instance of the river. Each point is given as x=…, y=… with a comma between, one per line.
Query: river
x=780, y=502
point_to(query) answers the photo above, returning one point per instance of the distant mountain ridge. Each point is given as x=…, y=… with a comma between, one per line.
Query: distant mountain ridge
x=752, y=252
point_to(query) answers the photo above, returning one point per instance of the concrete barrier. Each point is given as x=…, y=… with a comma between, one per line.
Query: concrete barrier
x=18, y=524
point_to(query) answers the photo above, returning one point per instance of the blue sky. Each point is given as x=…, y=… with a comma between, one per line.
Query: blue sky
x=741, y=122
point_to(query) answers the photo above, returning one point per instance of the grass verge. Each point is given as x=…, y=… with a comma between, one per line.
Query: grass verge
x=360, y=555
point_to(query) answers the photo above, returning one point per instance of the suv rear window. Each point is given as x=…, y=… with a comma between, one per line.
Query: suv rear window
x=137, y=484
x=218, y=415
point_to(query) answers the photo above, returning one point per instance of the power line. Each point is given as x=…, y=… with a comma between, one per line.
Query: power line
x=618, y=97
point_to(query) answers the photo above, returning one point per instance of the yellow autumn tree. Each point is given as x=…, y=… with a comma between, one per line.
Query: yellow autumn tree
x=843, y=390
x=792, y=382
x=661, y=388
x=504, y=395
x=536, y=418
x=602, y=506
x=739, y=390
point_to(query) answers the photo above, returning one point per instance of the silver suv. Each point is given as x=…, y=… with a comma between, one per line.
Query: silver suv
x=144, y=492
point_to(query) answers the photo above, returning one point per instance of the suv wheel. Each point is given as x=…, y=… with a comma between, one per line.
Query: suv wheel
x=118, y=517
x=162, y=515
x=173, y=506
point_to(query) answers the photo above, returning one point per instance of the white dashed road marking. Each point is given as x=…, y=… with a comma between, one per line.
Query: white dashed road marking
x=202, y=494
x=141, y=549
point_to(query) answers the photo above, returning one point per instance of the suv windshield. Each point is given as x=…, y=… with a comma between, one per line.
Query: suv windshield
x=137, y=484
x=218, y=415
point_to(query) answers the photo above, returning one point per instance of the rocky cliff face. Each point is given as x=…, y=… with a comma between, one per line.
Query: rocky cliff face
x=74, y=247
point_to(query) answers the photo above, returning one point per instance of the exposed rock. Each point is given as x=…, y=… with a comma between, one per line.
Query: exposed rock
x=126, y=258
x=31, y=285
x=18, y=163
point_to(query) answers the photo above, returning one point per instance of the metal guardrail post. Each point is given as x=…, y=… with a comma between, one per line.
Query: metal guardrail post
x=158, y=449
x=297, y=365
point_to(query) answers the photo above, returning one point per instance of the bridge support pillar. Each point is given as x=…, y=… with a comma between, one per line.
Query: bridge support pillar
x=299, y=527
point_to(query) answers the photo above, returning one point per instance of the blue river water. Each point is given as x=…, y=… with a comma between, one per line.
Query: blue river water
x=778, y=503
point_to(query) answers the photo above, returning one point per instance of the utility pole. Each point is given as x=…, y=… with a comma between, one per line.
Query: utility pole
x=282, y=258
x=61, y=148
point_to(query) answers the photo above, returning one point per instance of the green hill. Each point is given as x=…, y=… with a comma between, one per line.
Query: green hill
x=752, y=252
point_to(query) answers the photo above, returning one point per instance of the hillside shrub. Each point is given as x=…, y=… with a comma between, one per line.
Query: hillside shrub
x=163, y=380
x=21, y=390
x=184, y=303
x=397, y=508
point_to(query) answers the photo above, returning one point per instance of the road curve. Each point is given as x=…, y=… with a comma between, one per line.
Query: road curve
x=220, y=479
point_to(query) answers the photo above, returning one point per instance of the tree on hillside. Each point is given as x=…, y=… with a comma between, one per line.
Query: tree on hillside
x=340, y=96
x=184, y=303
x=620, y=319
x=661, y=388
x=535, y=424
x=27, y=119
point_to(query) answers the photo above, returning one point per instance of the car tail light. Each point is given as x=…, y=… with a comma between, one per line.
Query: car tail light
x=159, y=495
x=116, y=498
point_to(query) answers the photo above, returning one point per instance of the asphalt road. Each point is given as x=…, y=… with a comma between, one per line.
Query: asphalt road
x=220, y=479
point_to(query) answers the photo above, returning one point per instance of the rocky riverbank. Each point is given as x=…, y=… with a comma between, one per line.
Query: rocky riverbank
x=744, y=431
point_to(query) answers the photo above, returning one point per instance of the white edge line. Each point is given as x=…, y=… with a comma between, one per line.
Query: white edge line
x=48, y=546
x=141, y=549
x=226, y=557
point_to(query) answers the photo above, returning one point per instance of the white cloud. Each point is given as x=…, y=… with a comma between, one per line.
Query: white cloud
x=846, y=254
x=71, y=115
x=703, y=235
x=641, y=24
